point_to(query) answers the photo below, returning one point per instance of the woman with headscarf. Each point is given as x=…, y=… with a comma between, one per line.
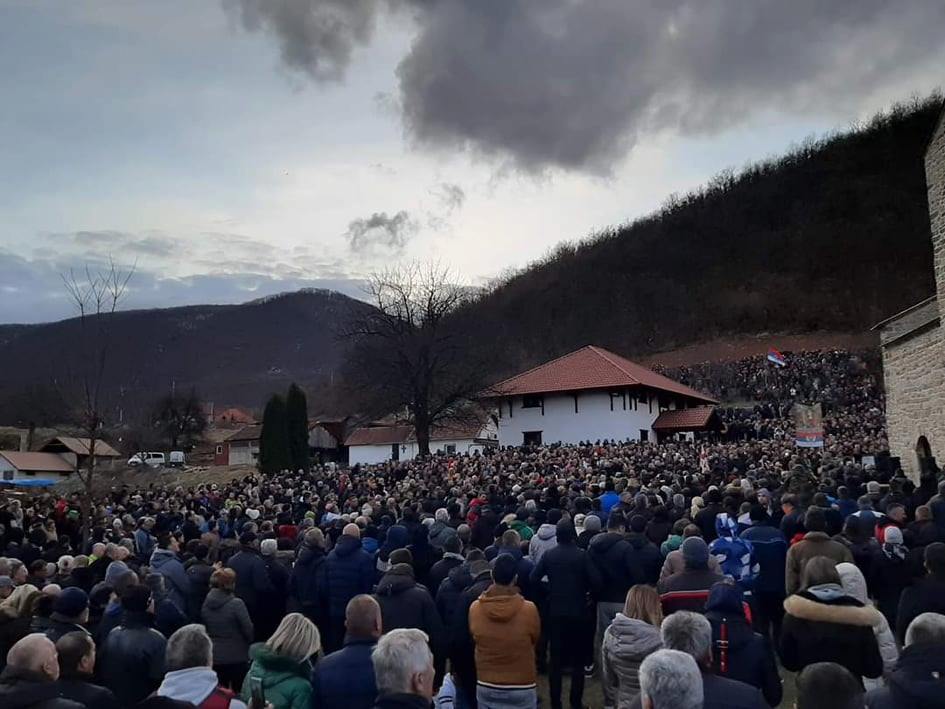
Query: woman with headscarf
x=822, y=623
x=851, y=578
x=891, y=573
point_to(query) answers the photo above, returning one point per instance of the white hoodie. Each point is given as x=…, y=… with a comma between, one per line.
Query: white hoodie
x=192, y=685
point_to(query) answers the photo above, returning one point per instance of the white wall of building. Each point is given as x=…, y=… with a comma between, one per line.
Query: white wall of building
x=371, y=455
x=594, y=420
x=244, y=452
x=8, y=472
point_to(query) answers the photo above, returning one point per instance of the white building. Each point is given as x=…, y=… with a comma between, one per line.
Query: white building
x=592, y=395
x=379, y=444
x=31, y=465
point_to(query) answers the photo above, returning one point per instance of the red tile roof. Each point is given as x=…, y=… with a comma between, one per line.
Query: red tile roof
x=684, y=419
x=589, y=368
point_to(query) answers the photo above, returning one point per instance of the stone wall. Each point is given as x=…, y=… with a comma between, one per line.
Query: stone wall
x=915, y=392
x=914, y=343
x=935, y=179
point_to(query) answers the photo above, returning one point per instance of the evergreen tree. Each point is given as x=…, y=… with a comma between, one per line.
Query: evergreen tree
x=297, y=427
x=274, y=438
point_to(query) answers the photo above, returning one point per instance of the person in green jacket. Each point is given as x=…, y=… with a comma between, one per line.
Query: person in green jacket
x=283, y=664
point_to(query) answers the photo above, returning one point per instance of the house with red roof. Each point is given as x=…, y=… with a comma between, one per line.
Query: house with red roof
x=593, y=394
x=378, y=444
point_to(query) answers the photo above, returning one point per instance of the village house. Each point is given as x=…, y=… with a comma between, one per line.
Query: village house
x=378, y=444
x=593, y=394
x=76, y=451
x=28, y=465
x=240, y=447
x=913, y=344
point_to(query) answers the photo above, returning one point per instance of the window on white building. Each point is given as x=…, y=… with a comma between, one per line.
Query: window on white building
x=532, y=401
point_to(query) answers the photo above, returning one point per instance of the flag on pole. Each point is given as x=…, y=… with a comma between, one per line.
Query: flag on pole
x=776, y=357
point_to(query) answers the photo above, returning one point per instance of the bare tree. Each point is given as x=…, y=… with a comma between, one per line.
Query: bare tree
x=410, y=357
x=96, y=295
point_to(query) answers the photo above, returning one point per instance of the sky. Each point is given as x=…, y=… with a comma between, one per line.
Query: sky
x=228, y=150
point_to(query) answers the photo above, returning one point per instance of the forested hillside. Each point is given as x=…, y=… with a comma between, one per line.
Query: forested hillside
x=832, y=236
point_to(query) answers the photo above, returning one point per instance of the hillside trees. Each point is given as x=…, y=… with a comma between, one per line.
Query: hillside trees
x=297, y=427
x=180, y=419
x=409, y=356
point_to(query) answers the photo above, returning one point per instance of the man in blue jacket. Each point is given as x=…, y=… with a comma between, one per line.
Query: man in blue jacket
x=164, y=561
x=345, y=678
x=350, y=573
x=770, y=550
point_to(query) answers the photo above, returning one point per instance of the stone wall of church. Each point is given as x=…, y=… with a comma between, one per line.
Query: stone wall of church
x=935, y=179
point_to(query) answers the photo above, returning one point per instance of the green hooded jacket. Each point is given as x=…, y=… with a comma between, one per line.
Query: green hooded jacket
x=286, y=683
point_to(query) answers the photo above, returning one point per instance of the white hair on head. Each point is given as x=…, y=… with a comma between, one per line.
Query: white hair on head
x=442, y=515
x=670, y=679
x=397, y=657
x=926, y=628
x=268, y=547
x=687, y=632
x=428, y=522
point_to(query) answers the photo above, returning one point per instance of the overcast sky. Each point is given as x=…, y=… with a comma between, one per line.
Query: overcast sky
x=240, y=148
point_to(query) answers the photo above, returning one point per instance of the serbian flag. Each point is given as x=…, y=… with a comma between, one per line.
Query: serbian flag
x=777, y=358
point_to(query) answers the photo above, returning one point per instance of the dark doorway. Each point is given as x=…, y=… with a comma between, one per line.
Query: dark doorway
x=531, y=438
x=395, y=451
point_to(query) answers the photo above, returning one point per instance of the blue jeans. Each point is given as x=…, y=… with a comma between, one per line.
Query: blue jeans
x=510, y=698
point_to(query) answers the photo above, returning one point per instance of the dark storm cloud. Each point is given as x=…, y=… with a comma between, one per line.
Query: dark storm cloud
x=380, y=230
x=574, y=83
x=316, y=37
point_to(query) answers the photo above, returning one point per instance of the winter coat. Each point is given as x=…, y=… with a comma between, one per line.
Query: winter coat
x=890, y=576
x=611, y=555
x=645, y=559
x=193, y=685
x=505, y=628
x=734, y=554
x=199, y=573
x=813, y=544
x=738, y=652
x=144, y=543
x=12, y=630
x=228, y=625
x=285, y=682
x=915, y=682
x=450, y=591
x=855, y=585
x=345, y=679
x=59, y=625
x=406, y=604
x=176, y=581
x=26, y=689
x=442, y=568
x=627, y=642
x=308, y=584
x=770, y=549
x=523, y=570
x=461, y=647
x=543, y=540
x=571, y=578
x=440, y=533
x=823, y=624
x=80, y=688
x=350, y=572
x=131, y=662
x=926, y=596
x=271, y=605
x=674, y=563
x=252, y=578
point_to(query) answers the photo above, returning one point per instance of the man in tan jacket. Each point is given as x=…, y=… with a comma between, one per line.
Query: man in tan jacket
x=505, y=628
x=815, y=543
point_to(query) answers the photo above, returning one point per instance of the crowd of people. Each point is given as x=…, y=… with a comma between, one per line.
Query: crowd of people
x=671, y=575
x=762, y=395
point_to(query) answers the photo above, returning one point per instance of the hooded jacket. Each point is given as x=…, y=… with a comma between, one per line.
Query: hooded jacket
x=350, y=572
x=505, y=628
x=916, y=682
x=823, y=624
x=308, y=583
x=252, y=577
x=571, y=576
x=176, y=581
x=228, y=625
x=611, y=555
x=193, y=685
x=285, y=682
x=735, y=555
x=447, y=596
x=406, y=604
x=855, y=585
x=131, y=662
x=738, y=652
x=543, y=540
x=645, y=558
x=627, y=642
x=927, y=595
x=440, y=533
x=199, y=573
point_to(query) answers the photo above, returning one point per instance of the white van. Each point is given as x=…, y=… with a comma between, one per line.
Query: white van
x=151, y=459
x=176, y=459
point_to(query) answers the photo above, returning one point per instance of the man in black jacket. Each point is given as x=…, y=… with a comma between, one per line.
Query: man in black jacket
x=928, y=595
x=132, y=662
x=30, y=677
x=252, y=577
x=611, y=555
x=76, y=666
x=916, y=681
x=572, y=580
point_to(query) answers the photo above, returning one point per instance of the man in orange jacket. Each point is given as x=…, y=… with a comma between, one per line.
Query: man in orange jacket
x=505, y=628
